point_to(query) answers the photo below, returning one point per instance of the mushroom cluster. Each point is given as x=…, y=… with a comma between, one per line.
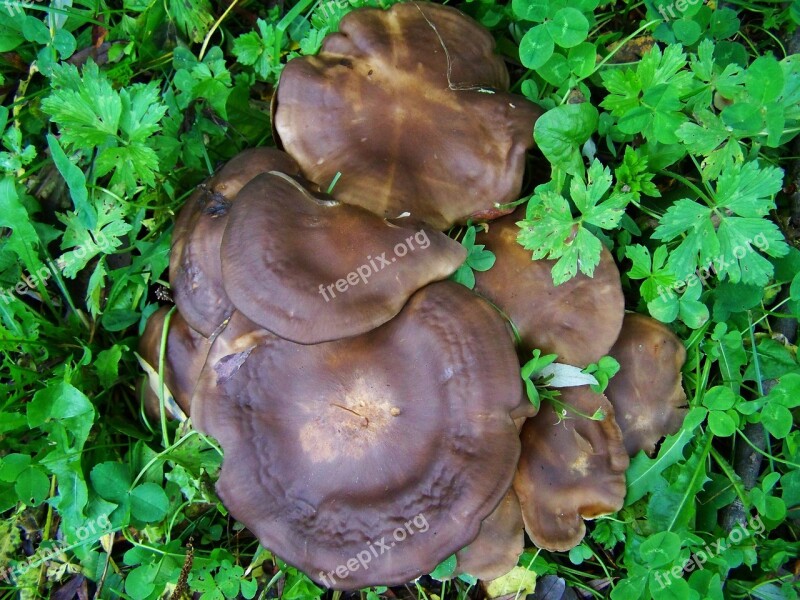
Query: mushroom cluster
x=371, y=413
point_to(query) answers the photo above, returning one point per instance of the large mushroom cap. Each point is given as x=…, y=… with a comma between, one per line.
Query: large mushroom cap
x=194, y=267
x=569, y=471
x=315, y=270
x=578, y=320
x=366, y=460
x=647, y=395
x=184, y=357
x=409, y=106
x=499, y=544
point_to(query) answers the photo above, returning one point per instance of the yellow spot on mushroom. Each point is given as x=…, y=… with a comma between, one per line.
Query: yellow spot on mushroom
x=581, y=465
x=349, y=423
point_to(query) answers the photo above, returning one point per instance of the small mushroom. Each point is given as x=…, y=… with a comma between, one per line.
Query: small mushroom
x=647, y=395
x=184, y=356
x=410, y=106
x=499, y=544
x=366, y=460
x=578, y=320
x=195, y=274
x=313, y=270
x=569, y=470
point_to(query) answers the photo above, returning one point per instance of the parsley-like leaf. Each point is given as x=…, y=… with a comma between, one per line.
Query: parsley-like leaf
x=551, y=231
x=648, y=99
x=731, y=233
x=120, y=125
x=633, y=176
x=657, y=277
x=257, y=50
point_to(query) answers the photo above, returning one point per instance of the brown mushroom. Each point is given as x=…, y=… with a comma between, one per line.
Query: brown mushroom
x=184, y=357
x=569, y=470
x=313, y=270
x=499, y=544
x=410, y=106
x=578, y=320
x=647, y=395
x=370, y=459
x=195, y=274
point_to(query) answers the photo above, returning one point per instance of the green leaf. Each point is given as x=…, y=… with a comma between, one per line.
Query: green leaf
x=644, y=472
x=111, y=480
x=139, y=582
x=76, y=181
x=721, y=424
x=764, y=79
x=85, y=106
x=10, y=39
x=556, y=70
x=660, y=549
x=774, y=360
x=194, y=18
x=257, y=49
x=67, y=415
x=665, y=307
x=32, y=486
x=731, y=298
x=550, y=231
x=530, y=10
x=719, y=398
x=633, y=175
x=85, y=244
x=23, y=240
x=478, y=259
x=536, y=47
x=445, y=569
x=107, y=365
x=58, y=401
x=91, y=114
x=647, y=100
x=743, y=117
x=149, y=503
x=777, y=420
x=569, y=27
x=64, y=42
x=687, y=31
x=692, y=311
x=35, y=30
x=12, y=465
x=742, y=198
x=658, y=280
x=561, y=132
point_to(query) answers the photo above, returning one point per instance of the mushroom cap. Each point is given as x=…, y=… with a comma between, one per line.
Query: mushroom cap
x=578, y=320
x=646, y=392
x=333, y=450
x=184, y=357
x=569, y=471
x=313, y=270
x=499, y=544
x=194, y=267
x=409, y=105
